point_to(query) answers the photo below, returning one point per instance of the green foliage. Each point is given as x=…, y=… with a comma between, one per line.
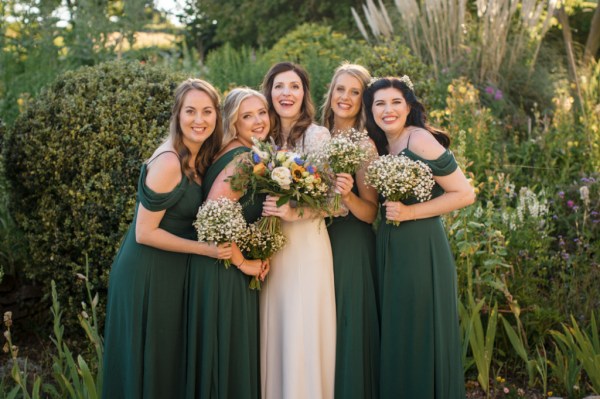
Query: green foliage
x=318, y=49
x=586, y=347
x=73, y=159
x=248, y=23
x=392, y=58
x=73, y=377
x=228, y=67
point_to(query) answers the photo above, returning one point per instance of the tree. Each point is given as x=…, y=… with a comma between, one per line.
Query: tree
x=261, y=24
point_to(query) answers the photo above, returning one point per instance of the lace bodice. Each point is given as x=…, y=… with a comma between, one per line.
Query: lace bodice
x=314, y=138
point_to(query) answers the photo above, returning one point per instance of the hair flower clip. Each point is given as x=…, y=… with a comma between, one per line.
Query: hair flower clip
x=406, y=80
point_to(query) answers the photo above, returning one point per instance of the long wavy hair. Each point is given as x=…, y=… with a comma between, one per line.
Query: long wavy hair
x=231, y=109
x=364, y=77
x=307, y=110
x=416, y=117
x=212, y=145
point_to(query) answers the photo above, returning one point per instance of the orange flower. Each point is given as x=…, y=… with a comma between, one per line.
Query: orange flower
x=259, y=169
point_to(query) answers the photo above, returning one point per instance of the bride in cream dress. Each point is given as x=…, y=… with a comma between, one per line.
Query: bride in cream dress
x=297, y=301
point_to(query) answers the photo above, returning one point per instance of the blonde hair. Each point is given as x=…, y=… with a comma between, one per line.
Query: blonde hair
x=212, y=145
x=364, y=77
x=231, y=109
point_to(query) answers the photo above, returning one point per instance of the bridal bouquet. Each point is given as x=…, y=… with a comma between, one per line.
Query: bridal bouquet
x=259, y=244
x=346, y=152
x=220, y=221
x=398, y=177
x=282, y=173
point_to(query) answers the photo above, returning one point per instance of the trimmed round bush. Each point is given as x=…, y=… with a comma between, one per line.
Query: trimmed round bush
x=73, y=159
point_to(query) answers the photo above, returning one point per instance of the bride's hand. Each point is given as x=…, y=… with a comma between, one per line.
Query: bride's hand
x=285, y=212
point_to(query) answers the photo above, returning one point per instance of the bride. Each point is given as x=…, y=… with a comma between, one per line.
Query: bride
x=297, y=302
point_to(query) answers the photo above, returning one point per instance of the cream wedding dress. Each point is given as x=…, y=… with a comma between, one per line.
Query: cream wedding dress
x=297, y=308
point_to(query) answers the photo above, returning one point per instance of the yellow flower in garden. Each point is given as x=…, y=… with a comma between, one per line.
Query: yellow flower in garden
x=462, y=90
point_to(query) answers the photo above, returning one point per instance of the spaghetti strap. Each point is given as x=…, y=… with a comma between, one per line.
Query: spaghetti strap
x=408, y=141
x=164, y=152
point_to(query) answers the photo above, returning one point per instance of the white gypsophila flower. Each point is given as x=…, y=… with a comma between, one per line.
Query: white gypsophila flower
x=398, y=177
x=219, y=221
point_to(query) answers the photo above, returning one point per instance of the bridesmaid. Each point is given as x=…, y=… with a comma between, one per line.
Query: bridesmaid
x=353, y=247
x=144, y=336
x=297, y=303
x=420, y=341
x=223, y=330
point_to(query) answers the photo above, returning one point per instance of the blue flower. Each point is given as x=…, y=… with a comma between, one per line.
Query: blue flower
x=311, y=169
x=255, y=158
x=299, y=161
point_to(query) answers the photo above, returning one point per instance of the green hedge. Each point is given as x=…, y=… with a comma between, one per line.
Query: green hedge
x=73, y=158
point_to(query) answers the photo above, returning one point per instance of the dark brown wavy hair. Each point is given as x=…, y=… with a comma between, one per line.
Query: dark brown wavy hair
x=212, y=145
x=416, y=117
x=307, y=110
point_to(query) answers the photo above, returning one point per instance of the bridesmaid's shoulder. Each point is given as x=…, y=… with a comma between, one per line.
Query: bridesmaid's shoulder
x=424, y=144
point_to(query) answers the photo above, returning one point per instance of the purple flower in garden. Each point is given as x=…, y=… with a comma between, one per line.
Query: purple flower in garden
x=565, y=256
x=575, y=240
x=498, y=95
x=594, y=213
x=490, y=90
x=561, y=194
x=585, y=180
x=575, y=208
x=554, y=217
x=570, y=203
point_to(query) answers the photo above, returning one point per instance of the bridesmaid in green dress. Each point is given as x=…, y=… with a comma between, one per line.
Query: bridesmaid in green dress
x=146, y=316
x=223, y=354
x=353, y=247
x=420, y=341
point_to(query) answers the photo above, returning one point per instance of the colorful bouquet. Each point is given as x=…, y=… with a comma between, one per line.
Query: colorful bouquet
x=220, y=221
x=398, y=177
x=259, y=244
x=346, y=152
x=282, y=173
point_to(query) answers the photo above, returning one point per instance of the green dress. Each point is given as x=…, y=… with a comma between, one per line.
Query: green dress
x=420, y=341
x=223, y=349
x=146, y=315
x=357, y=341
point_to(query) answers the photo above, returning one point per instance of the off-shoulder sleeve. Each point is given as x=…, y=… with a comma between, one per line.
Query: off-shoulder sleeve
x=443, y=165
x=158, y=201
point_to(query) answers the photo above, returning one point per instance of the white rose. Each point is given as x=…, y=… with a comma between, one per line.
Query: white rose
x=282, y=176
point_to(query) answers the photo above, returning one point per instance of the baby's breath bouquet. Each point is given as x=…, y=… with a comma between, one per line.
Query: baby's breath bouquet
x=260, y=244
x=286, y=174
x=220, y=221
x=398, y=178
x=346, y=152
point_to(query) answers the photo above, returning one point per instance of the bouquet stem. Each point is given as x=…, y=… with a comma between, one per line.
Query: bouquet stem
x=270, y=224
x=254, y=283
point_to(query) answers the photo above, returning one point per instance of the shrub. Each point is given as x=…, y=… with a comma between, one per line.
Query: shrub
x=73, y=158
x=392, y=58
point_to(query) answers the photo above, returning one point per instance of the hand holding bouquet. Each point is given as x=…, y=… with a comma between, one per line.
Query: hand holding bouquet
x=220, y=221
x=398, y=177
x=346, y=152
x=285, y=174
x=260, y=244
